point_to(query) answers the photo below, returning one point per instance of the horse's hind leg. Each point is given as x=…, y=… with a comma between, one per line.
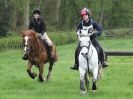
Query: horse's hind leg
x=50, y=70
x=100, y=71
x=41, y=78
x=94, y=87
x=31, y=74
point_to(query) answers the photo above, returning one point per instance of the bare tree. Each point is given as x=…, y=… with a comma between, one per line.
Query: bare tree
x=101, y=12
x=40, y=1
x=26, y=13
x=53, y=7
x=57, y=11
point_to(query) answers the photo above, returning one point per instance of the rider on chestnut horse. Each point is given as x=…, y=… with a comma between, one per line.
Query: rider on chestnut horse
x=38, y=25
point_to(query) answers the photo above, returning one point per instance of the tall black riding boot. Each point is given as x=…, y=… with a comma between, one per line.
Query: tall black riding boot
x=25, y=57
x=50, y=52
x=104, y=64
x=76, y=65
x=100, y=51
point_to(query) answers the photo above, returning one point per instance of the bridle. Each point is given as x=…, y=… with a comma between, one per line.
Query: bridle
x=86, y=56
x=88, y=47
x=27, y=48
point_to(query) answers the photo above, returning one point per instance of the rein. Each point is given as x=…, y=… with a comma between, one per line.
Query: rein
x=88, y=47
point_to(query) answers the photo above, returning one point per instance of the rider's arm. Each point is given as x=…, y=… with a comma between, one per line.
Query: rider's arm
x=79, y=27
x=43, y=25
x=98, y=28
x=31, y=24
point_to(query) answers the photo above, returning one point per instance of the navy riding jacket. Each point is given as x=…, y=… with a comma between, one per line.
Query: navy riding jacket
x=91, y=22
x=38, y=25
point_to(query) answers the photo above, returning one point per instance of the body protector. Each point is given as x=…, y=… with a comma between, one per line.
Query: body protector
x=89, y=30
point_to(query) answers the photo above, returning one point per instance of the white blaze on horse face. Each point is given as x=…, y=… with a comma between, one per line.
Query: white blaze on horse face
x=84, y=41
x=26, y=42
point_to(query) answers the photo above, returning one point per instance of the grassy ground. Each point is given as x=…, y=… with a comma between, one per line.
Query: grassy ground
x=117, y=81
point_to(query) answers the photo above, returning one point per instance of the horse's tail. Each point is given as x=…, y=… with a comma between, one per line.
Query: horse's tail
x=54, y=54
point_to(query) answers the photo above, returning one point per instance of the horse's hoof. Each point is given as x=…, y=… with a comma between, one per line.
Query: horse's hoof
x=33, y=75
x=82, y=92
x=41, y=79
x=99, y=76
x=48, y=78
x=94, y=91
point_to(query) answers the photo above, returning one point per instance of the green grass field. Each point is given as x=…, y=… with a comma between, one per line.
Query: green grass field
x=117, y=81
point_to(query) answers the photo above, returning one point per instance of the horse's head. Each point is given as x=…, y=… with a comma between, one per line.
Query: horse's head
x=84, y=44
x=29, y=37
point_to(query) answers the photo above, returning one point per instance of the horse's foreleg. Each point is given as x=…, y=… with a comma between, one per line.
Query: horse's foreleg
x=31, y=74
x=41, y=78
x=50, y=70
x=82, y=81
x=94, y=87
x=95, y=77
x=86, y=81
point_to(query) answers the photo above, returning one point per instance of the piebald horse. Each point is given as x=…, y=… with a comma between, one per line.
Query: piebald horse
x=37, y=54
x=88, y=62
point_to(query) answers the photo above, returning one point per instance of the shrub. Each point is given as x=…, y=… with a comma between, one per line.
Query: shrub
x=62, y=38
x=14, y=41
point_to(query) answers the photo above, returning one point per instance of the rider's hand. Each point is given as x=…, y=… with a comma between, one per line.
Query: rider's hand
x=80, y=31
x=39, y=35
x=94, y=35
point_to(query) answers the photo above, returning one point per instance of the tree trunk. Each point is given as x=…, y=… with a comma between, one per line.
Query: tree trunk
x=101, y=12
x=52, y=8
x=57, y=11
x=26, y=13
x=40, y=1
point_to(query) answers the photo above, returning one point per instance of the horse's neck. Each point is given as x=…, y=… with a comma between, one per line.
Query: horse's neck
x=38, y=46
x=91, y=49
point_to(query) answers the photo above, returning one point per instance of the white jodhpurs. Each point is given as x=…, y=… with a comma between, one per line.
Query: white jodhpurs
x=47, y=39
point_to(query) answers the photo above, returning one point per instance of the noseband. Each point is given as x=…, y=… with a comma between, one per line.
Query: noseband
x=88, y=47
x=27, y=48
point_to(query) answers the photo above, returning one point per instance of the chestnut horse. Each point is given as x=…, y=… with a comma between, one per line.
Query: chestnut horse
x=36, y=51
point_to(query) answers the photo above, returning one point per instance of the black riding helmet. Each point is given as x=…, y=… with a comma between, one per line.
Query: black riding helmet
x=37, y=11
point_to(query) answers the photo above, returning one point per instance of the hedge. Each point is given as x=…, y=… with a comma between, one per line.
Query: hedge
x=15, y=41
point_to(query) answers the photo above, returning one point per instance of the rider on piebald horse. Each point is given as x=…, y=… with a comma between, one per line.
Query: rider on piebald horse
x=84, y=24
x=38, y=25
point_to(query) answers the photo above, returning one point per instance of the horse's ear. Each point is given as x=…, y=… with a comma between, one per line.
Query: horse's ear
x=22, y=33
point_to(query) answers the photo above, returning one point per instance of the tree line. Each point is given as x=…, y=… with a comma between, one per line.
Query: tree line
x=65, y=14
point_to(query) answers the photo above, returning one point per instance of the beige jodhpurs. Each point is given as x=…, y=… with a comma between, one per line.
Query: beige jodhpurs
x=47, y=39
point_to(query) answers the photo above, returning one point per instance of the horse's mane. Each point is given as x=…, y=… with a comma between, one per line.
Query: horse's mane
x=38, y=43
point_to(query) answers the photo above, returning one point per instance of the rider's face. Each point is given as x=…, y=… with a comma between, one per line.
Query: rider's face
x=85, y=17
x=36, y=16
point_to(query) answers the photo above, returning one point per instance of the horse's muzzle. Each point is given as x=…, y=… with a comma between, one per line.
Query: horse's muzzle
x=26, y=49
x=84, y=54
